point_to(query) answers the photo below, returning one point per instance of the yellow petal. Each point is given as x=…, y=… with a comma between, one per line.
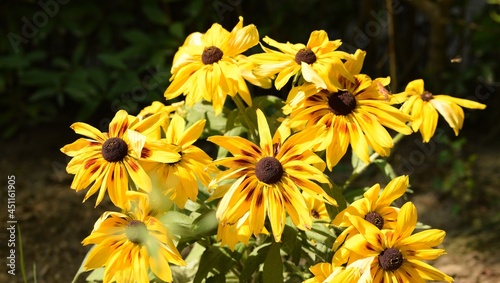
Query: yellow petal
x=428, y=272
x=266, y=140
x=395, y=189
x=430, y=238
x=88, y=131
x=310, y=75
x=406, y=222
x=429, y=122
x=415, y=86
x=451, y=112
x=372, y=234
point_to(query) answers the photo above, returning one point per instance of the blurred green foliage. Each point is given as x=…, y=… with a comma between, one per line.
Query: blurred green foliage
x=75, y=59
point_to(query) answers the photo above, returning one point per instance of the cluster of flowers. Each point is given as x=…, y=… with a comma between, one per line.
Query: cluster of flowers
x=147, y=163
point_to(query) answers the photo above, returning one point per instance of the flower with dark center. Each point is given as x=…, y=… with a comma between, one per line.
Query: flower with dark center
x=375, y=219
x=114, y=149
x=211, y=55
x=425, y=108
x=261, y=188
x=136, y=231
x=342, y=102
x=399, y=253
x=390, y=259
x=126, y=250
x=426, y=96
x=305, y=55
x=269, y=170
x=203, y=71
x=375, y=207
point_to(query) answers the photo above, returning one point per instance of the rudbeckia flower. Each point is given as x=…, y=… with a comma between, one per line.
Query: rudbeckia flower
x=313, y=60
x=346, y=112
x=395, y=255
x=269, y=179
x=107, y=160
x=232, y=234
x=206, y=66
x=179, y=179
x=374, y=208
x=158, y=107
x=316, y=207
x=422, y=106
x=328, y=273
x=128, y=244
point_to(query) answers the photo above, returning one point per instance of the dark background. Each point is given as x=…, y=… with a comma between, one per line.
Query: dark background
x=66, y=61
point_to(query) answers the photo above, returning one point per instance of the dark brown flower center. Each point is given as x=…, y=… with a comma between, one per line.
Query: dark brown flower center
x=342, y=102
x=375, y=219
x=136, y=231
x=390, y=259
x=426, y=96
x=315, y=214
x=305, y=55
x=211, y=55
x=114, y=149
x=269, y=170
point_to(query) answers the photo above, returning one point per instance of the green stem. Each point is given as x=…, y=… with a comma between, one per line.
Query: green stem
x=252, y=130
x=355, y=174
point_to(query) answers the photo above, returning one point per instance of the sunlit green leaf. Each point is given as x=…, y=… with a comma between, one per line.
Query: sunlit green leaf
x=273, y=265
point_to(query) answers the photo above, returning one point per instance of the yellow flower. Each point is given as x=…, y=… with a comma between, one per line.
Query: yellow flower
x=373, y=208
x=328, y=273
x=232, y=234
x=108, y=160
x=179, y=179
x=350, y=112
x=158, y=107
x=422, y=106
x=313, y=60
x=316, y=207
x=268, y=179
x=128, y=244
x=206, y=66
x=394, y=255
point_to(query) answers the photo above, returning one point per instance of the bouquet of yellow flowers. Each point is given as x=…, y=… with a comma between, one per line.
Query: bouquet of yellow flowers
x=260, y=205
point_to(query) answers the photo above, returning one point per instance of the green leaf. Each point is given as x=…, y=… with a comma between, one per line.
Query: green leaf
x=178, y=223
x=39, y=77
x=321, y=234
x=290, y=233
x=215, y=261
x=136, y=36
x=386, y=168
x=155, y=14
x=335, y=192
x=215, y=125
x=96, y=275
x=254, y=260
x=177, y=30
x=356, y=162
x=82, y=269
x=206, y=224
x=273, y=265
x=42, y=93
x=112, y=61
